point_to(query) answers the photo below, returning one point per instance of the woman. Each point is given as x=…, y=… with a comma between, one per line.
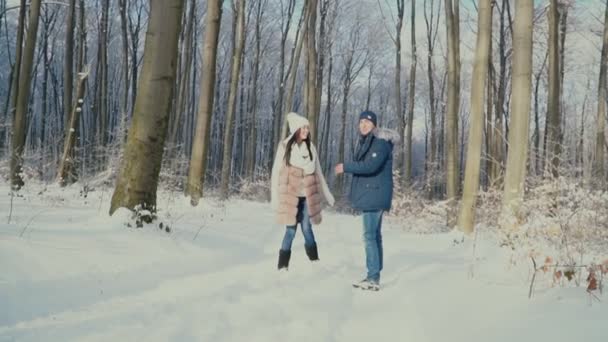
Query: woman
x=297, y=188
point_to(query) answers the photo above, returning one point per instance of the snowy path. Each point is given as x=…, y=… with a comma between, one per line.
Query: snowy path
x=77, y=275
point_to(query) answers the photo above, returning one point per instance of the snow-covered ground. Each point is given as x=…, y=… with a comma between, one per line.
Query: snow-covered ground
x=69, y=272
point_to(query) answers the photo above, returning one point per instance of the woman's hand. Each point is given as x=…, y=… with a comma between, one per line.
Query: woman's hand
x=339, y=169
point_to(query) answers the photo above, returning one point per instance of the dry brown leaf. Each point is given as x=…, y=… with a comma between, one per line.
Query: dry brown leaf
x=591, y=280
x=592, y=285
x=569, y=274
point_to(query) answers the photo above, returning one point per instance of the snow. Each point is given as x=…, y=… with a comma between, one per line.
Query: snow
x=76, y=274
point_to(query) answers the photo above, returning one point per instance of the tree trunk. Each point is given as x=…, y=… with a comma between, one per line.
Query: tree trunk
x=16, y=70
x=251, y=144
x=67, y=173
x=453, y=38
x=536, y=136
x=311, y=83
x=234, y=82
x=598, y=165
x=138, y=179
x=321, y=51
x=370, y=76
x=293, y=73
x=48, y=23
x=134, y=28
x=489, y=110
x=346, y=82
x=68, y=68
x=125, y=61
x=23, y=97
x=466, y=220
x=431, y=36
x=563, y=20
x=398, y=101
x=580, y=145
x=553, y=112
x=179, y=116
x=520, y=111
x=102, y=78
x=200, y=145
x=279, y=110
x=497, y=155
x=407, y=176
x=328, y=111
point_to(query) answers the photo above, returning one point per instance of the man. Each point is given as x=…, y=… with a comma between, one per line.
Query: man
x=371, y=189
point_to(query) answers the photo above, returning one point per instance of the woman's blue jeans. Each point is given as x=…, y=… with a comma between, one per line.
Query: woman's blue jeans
x=303, y=219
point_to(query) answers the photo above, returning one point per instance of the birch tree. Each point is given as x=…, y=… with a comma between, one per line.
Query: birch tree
x=466, y=219
x=520, y=112
x=200, y=148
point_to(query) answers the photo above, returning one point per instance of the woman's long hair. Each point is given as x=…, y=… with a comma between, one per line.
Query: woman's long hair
x=292, y=141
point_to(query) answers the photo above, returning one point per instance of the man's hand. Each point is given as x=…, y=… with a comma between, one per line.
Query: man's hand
x=339, y=169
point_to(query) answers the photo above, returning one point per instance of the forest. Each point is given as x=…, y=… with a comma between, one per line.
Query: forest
x=502, y=97
x=138, y=144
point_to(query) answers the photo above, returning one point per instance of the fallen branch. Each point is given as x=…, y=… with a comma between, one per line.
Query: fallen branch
x=533, y=277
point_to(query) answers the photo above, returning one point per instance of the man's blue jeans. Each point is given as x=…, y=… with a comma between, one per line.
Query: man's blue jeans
x=304, y=220
x=372, y=236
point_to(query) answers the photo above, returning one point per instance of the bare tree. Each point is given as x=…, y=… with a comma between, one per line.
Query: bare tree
x=329, y=43
x=580, y=145
x=101, y=88
x=466, y=219
x=286, y=18
x=432, y=29
x=16, y=70
x=293, y=70
x=49, y=19
x=135, y=26
x=138, y=179
x=67, y=173
x=536, y=135
x=250, y=155
x=200, y=148
x=186, y=59
x=235, y=74
x=23, y=94
x=598, y=165
x=520, y=111
x=312, y=108
x=498, y=135
x=397, y=41
x=407, y=175
x=125, y=58
x=321, y=53
x=68, y=69
x=453, y=41
x=553, y=126
x=354, y=59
